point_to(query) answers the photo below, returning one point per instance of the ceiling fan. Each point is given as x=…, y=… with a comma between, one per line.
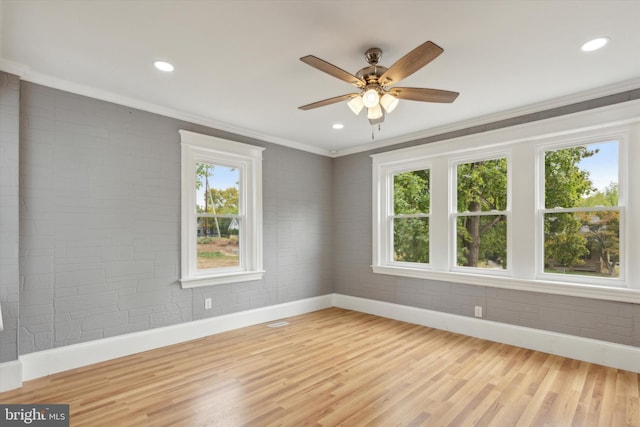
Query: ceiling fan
x=375, y=81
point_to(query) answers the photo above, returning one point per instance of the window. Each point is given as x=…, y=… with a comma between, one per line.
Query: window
x=480, y=217
x=405, y=214
x=543, y=207
x=221, y=211
x=218, y=216
x=410, y=218
x=581, y=211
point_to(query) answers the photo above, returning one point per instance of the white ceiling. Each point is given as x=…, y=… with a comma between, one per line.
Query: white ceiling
x=238, y=69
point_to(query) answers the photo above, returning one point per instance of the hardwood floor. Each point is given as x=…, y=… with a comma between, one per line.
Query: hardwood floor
x=339, y=367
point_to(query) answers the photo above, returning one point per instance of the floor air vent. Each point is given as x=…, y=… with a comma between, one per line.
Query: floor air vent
x=278, y=324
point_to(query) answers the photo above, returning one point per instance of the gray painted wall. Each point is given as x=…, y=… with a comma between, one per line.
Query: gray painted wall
x=610, y=321
x=9, y=275
x=99, y=236
x=100, y=223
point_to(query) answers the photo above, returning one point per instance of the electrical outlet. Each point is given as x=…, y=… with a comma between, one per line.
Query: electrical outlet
x=478, y=311
x=207, y=303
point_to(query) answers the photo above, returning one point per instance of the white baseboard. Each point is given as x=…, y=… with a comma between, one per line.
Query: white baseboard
x=47, y=362
x=589, y=350
x=10, y=375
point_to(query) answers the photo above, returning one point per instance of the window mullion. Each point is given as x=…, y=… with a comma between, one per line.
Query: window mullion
x=481, y=213
x=581, y=209
x=418, y=215
x=526, y=210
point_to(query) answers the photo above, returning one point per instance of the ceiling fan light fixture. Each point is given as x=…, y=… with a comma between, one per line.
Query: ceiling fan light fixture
x=389, y=102
x=374, y=112
x=356, y=104
x=370, y=98
x=377, y=121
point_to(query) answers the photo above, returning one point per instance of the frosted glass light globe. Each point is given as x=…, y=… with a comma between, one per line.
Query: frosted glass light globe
x=371, y=98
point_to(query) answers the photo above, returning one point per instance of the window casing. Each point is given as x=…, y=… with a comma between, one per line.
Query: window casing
x=524, y=148
x=406, y=215
x=235, y=224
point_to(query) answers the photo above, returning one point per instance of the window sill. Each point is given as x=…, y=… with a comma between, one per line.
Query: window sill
x=221, y=279
x=530, y=285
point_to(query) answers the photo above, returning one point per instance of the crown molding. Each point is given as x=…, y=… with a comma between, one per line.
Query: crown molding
x=563, y=101
x=25, y=73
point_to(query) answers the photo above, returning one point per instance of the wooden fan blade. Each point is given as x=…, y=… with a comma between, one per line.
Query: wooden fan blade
x=332, y=70
x=410, y=63
x=327, y=101
x=424, y=95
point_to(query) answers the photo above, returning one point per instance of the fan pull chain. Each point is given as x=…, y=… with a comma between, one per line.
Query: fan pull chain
x=373, y=129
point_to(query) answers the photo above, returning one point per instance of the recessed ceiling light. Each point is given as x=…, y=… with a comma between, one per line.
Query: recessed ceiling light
x=595, y=44
x=163, y=66
x=337, y=126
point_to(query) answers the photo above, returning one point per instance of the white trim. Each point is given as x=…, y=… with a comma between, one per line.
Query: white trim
x=221, y=279
x=586, y=349
x=454, y=162
x=47, y=362
x=27, y=74
x=541, y=286
x=522, y=141
x=621, y=137
x=562, y=101
x=196, y=148
x=383, y=203
x=10, y=375
x=555, y=127
x=35, y=365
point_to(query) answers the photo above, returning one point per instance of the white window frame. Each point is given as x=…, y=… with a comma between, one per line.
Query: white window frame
x=523, y=143
x=614, y=135
x=198, y=148
x=386, y=254
x=454, y=214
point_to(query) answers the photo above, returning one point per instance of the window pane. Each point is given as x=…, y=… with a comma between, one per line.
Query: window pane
x=482, y=241
x=218, y=242
x=411, y=192
x=411, y=240
x=582, y=176
x=586, y=243
x=217, y=189
x=482, y=186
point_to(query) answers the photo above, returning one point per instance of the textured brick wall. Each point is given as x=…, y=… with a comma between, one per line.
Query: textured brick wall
x=9, y=276
x=99, y=232
x=100, y=223
x=610, y=321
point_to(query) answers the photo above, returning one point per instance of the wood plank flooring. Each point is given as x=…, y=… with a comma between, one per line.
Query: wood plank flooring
x=338, y=367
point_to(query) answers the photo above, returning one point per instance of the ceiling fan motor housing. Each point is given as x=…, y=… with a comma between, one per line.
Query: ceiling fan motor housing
x=373, y=55
x=372, y=73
